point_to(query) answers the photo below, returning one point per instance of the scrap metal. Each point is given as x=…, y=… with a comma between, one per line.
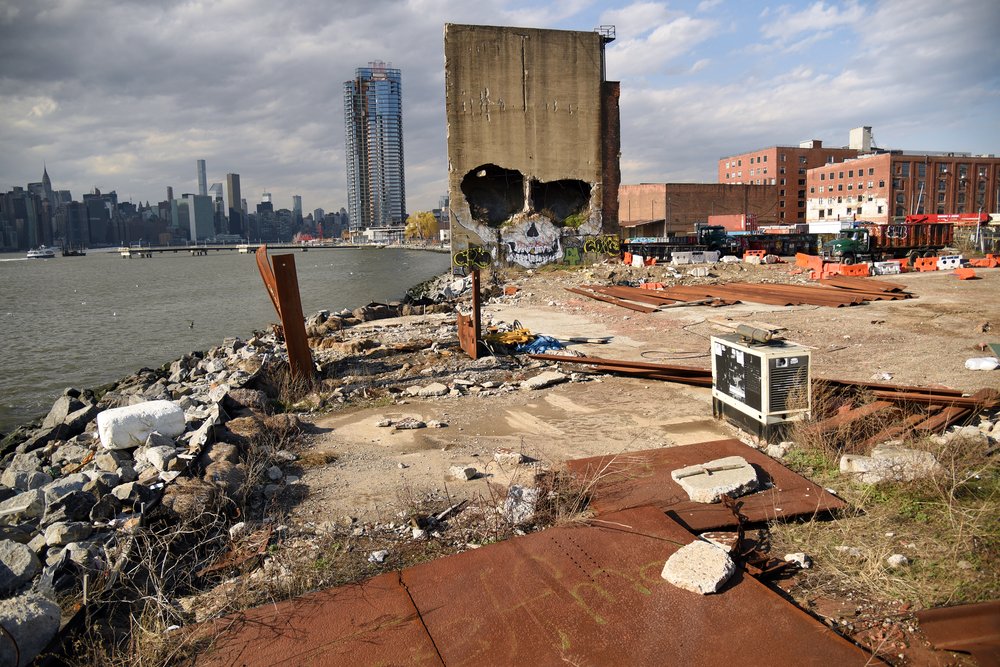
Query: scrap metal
x=970, y=628
x=470, y=327
x=282, y=285
x=633, y=479
x=588, y=593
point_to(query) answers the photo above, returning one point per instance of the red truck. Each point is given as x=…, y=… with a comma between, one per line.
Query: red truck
x=867, y=241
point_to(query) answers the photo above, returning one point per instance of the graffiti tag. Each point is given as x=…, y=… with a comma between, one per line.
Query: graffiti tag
x=605, y=245
x=473, y=257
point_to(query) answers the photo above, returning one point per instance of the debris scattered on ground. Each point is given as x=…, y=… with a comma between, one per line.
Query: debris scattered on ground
x=699, y=567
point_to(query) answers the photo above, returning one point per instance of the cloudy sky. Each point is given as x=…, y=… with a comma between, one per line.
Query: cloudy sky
x=127, y=94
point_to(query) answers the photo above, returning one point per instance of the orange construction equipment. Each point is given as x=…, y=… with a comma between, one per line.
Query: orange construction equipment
x=924, y=264
x=965, y=274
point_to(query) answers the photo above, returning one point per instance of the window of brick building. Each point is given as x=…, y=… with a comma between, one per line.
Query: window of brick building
x=781, y=193
x=900, y=211
x=850, y=173
x=941, y=197
x=840, y=187
x=781, y=170
x=881, y=183
x=859, y=210
x=840, y=174
x=871, y=184
x=812, y=190
x=822, y=177
x=850, y=186
x=781, y=215
x=848, y=210
x=940, y=209
x=942, y=168
x=921, y=169
x=829, y=211
x=821, y=212
x=782, y=157
x=903, y=169
x=765, y=158
x=739, y=163
x=880, y=209
x=802, y=159
x=802, y=181
x=963, y=171
x=942, y=185
x=782, y=181
x=871, y=171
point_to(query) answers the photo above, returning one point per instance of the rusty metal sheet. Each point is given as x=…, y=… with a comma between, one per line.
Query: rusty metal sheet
x=282, y=285
x=593, y=595
x=633, y=479
x=373, y=623
x=970, y=628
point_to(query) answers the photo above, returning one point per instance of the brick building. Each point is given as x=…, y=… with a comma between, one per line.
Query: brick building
x=785, y=168
x=666, y=209
x=883, y=186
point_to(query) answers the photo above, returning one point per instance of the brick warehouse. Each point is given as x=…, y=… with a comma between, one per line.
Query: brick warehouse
x=784, y=167
x=886, y=186
x=664, y=209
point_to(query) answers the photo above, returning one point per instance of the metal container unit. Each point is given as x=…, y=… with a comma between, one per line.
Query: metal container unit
x=761, y=387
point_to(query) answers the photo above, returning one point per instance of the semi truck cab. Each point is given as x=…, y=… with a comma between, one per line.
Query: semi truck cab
x=848, y=246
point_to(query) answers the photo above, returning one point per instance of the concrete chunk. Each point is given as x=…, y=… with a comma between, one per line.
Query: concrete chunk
x=699, y=567
x=708, y=482
x=129, y=426
x=546, y=379
x=33, y=621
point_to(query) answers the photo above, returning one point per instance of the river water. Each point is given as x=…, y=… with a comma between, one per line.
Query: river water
x=84, y=321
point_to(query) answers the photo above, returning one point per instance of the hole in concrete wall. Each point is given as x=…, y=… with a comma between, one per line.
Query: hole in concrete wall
x=560, y=200
x=494, y=193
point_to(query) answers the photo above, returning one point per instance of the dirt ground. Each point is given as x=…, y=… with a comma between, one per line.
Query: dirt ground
x=919, y=341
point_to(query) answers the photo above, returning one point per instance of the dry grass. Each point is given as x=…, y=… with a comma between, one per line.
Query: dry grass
x=948, y=525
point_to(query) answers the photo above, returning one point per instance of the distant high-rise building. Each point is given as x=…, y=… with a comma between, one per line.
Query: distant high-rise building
x=202, y=179
x=297, y=204
x=266, y=197
x=236, y=204
x=201, y=217
x=373, y=120
x=170, y=193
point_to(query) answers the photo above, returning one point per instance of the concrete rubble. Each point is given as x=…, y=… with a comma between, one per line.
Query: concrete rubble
x=708, y=482
x=890, y=462
x=699, y=567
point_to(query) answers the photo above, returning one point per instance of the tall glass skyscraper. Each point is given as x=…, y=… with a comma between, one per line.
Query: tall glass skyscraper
x=373, y=119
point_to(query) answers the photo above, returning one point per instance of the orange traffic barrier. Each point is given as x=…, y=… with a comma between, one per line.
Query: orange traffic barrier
x=965, y=274
x=854, y=270
x=754, y=253
x=925, y=264
x=802, y=259
x=652, y=285
x=627, y=259
x=988, y=262
x=650, y=261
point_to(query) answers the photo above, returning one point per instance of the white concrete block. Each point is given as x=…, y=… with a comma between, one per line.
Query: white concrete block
x=699, y=567
x=129, y=426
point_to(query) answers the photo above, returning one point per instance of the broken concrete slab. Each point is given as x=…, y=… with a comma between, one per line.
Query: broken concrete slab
x=543, y=380
x=890, y=463
x=708, y=482
x=463, y=473
x=699, y=567
x=433, y=389
x=32, y=620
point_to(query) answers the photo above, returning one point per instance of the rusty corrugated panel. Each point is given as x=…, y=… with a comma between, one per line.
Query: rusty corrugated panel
x=970, y=628
x=372, y=623
x=633, y=479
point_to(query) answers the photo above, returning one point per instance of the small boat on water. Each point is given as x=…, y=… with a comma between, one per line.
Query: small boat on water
x=42, y=252
x=73, y=252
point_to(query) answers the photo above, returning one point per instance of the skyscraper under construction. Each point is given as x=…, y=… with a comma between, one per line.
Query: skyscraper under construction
x=373, y=120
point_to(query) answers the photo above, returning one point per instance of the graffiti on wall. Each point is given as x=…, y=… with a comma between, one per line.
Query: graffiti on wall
x=472, y=257
x=603, y=245
x=532, y=242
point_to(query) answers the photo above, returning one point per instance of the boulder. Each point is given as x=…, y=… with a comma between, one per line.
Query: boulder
x=68, y=484
x=64, y=532
x=25, y=481
x=44, y=436
x=128, y=427
x=105, y=509
x=246, y=399
x=74, y=506
x=18, y=566
x=32, y=620
x=112, y=459
x=699, y=567
x=160, y=457
x=61, y=409
x=546, y=379
x=708, y=482
x=30, y=504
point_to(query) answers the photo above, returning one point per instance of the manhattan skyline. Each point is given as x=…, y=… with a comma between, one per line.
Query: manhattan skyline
x=145, y=91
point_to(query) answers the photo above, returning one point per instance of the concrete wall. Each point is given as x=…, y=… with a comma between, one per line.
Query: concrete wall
x=528, y=140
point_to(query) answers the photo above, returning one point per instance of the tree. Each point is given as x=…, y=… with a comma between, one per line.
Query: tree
x=421, y=225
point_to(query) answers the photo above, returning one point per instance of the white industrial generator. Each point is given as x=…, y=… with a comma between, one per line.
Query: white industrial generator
x=760, y=383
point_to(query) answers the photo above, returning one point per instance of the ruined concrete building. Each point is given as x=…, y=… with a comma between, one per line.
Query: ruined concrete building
x=533, y=142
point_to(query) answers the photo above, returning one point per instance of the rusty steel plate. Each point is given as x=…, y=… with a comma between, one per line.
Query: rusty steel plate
x=593, y=595
x=633, y=479
x=970, y=628
x=373, y=623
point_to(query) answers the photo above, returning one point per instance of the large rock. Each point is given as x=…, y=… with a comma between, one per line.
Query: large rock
x=61, y=409
x=25, y=481
x=546, y=379
x=64, y=485
x=708, y=482
x=229, y=477
x=74, y=506
x=699, y=567
x=18, y=566
x=32, y=621
x=434, y=389
x=129, y=426
x=64, y=532
x=30, y=504
x=160, y=457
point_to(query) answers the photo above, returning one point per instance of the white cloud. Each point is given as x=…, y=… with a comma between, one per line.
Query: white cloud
x=817, y=16
x=666, y=42
x=637, y=19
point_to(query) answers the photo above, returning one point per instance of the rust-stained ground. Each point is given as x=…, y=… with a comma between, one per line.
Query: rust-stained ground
x=585, y=594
